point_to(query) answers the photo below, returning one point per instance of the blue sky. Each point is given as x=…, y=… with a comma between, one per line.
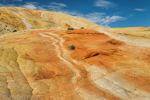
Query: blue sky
x=107, y=13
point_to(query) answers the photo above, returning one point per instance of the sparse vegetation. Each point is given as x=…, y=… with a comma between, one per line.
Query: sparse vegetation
x=14, y=30
x=71, y=47
x=82, y=28
x=70, y=28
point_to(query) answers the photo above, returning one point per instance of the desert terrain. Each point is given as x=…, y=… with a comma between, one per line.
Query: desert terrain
x=36, y=63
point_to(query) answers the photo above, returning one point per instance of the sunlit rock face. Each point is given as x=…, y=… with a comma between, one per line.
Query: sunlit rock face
x=36, y=63
x=16, y=18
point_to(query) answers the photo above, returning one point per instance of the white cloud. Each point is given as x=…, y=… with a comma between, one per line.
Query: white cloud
x=104, y=4
x=97, y=17
x=17, y=0
x=72, y=13
x=130, y=15
x=6, y=1
x=33, y=5
x=10, y=1
x=58, y=4
x=102, y=19
x=30, y=5
x=2, y=5
x=110, y=19
x=7, y=5
x=53, y=6
x=138, y=9
x=41, y=8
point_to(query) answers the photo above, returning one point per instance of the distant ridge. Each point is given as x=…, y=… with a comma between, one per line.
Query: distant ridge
x=13, y=19
x=17, y=18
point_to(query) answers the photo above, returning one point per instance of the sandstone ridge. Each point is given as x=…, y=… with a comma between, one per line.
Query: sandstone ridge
x=16, y=18
x=36, y=63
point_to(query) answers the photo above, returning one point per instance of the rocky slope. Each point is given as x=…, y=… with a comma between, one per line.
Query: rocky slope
x=133, y=31
x=16, y=18
x=36, y=63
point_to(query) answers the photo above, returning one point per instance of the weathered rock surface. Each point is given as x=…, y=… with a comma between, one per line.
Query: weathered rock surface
x=38, y=63
x=17, y=18
x=133, y=31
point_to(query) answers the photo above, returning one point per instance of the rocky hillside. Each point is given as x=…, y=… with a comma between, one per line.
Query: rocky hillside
x=133, y=31
x=14, y=19
x=36, y=63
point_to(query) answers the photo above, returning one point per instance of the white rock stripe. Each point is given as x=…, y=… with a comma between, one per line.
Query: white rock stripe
x=27, y=24
x=81, y=91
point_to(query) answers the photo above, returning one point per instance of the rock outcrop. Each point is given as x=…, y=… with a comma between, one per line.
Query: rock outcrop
x=36, y=63
x=23, y=18
x=131, y=31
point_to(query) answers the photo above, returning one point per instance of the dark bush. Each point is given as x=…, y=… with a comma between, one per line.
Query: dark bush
x=14, y=31
x=70, y=29
x=82, y=28
x=71, y=47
